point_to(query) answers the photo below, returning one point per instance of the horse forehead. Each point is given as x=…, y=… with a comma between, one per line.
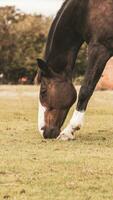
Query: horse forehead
x=53, y=86
x=57, y=85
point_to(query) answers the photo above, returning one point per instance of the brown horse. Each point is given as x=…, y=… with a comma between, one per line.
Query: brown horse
x=77, y=21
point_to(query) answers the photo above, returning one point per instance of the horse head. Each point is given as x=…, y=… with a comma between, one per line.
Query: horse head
x=57, y=95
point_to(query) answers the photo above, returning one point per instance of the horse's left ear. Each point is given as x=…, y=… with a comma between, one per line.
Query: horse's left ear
x=42, y=65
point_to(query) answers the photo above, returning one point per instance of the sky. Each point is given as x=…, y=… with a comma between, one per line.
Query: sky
x=46, y=7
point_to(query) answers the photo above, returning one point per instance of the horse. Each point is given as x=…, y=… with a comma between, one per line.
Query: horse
x=76, y=22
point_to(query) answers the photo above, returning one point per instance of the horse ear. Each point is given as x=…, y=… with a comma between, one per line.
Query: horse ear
x=46, y=71
x=42, y=65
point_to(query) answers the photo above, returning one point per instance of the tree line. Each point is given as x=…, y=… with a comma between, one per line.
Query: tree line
x=22, y=41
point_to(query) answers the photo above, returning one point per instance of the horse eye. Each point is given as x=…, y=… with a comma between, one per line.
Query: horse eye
x=43, y=92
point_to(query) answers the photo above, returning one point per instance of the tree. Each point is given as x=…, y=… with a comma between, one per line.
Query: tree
x=21, y=41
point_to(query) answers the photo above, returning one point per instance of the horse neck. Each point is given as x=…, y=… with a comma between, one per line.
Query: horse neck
x=61, y=44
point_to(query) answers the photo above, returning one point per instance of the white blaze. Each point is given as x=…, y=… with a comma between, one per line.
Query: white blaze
x=41, y=117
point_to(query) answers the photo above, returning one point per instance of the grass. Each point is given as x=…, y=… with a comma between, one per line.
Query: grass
x=32, y=168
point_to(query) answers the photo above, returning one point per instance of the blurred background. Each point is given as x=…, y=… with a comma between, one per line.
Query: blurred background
x=24, y=26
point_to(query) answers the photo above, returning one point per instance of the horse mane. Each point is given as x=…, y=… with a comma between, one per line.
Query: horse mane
x=48, y=44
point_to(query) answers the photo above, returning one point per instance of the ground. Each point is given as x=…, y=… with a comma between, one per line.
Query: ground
x=32, y=168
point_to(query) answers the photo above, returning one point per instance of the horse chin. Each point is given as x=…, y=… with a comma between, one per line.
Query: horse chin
x=51, y=133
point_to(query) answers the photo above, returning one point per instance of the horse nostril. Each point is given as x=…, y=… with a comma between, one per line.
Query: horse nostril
x=50, y=133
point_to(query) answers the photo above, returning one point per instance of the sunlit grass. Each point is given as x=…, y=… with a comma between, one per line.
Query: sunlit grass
x=34, y=169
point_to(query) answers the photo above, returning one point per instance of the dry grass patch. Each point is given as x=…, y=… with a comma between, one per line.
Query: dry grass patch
x=34, y=169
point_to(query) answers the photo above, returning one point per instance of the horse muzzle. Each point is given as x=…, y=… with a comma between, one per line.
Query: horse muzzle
x=51, y=133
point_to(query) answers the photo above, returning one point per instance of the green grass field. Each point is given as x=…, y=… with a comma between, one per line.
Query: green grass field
x=32, y=168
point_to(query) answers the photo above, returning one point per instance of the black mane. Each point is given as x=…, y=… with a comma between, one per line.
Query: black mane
x=47, y=50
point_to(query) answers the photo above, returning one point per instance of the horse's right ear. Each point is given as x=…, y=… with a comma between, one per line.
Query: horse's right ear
x=42, y=65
